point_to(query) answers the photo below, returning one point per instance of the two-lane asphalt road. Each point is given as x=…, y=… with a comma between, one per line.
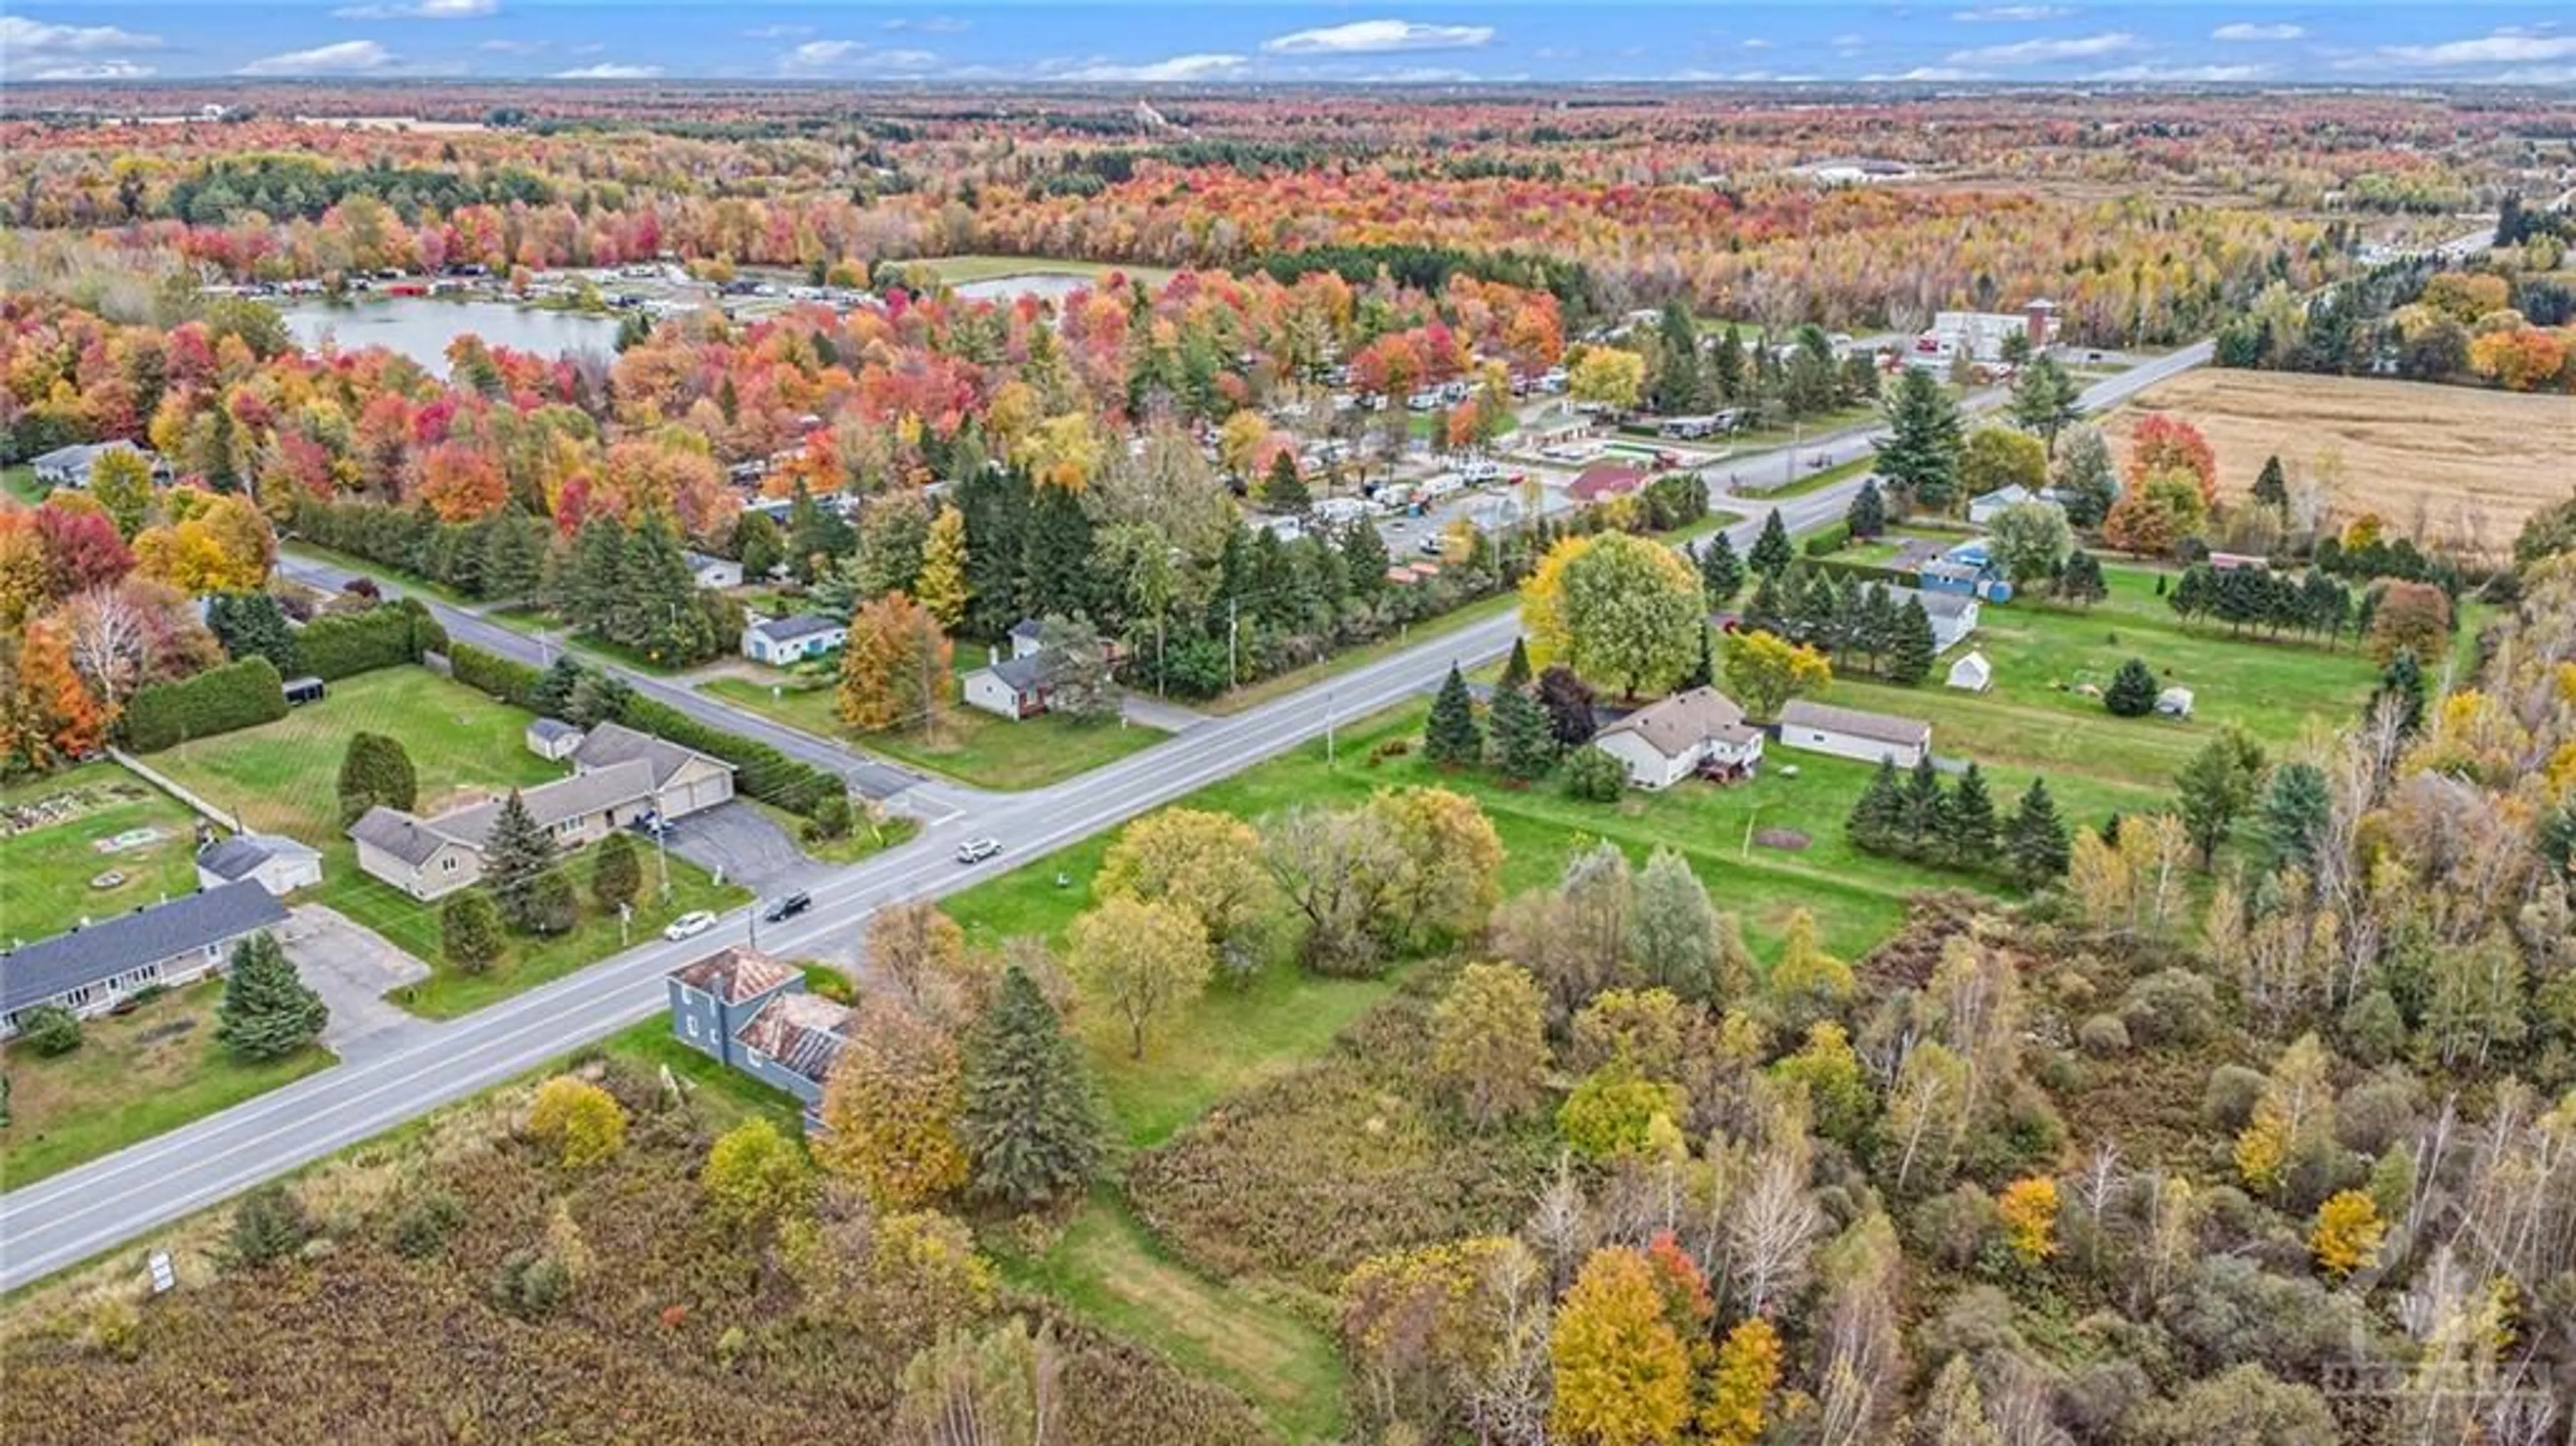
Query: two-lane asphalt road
x=61, y=1221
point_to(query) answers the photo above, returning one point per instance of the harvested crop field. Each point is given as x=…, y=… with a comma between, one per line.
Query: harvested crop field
x=2466, y=464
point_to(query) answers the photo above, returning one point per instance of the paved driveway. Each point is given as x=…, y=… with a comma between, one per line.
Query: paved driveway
x=739, y=843
x=352, y=968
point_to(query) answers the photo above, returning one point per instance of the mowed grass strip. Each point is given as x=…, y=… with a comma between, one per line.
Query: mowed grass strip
x=46, y=871
x=283, y=777
x=134, y=1076
x=969, y=745
x=1108, y=1269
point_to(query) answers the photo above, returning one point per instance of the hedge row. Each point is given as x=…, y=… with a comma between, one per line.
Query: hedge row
x=342, y=645
x=218, y=700
x=761, y=771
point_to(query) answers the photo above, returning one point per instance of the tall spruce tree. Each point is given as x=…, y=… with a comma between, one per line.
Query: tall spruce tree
x=1921, y=455
x=267, y=1013
x=252, y=625
x=1452, y=737
x=1913, y=648
x=2080, y=581
x=1524, y=747
x=1968, y=822
x=2403, y=681
x=1030, y=1122
x=1877, y=819
x=516, y=856
x=2132, y=693
x=1283, y=491
x=2272, y=487
x=1867, y=516
x=2035, y=844
x=1772, y=553
x=1921, y=806
x=1704, y=672
x=1721, y=572
x=1516, y=670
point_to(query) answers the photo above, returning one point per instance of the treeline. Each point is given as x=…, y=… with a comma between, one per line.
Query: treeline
x=1917, y=815
x=2257, y=597
x=1855, y=623
x=1428, y=268
x=301, y=188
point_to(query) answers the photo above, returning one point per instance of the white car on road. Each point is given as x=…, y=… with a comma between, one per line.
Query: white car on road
x=690, y=925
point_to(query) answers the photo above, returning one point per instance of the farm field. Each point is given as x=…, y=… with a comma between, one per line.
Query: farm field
x=972, y=746
x=959, y=270
x=283, y=777
x=2465, y=465
x=135, y=1075
x=46, y=870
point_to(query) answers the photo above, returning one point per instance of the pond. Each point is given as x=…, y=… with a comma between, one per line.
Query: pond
x=420, y=327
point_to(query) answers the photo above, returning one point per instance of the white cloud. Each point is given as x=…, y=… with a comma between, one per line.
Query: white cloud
x=1418, y=75
x=778, y=32
x=1176, y=68
x=2038, y=52
x=2020, y=14
x=1377, y=37
x=513, y=47
x=855, y=57
x=421, y=10
x=610, y=71
x=33, y=46
x=96, y=70
x=349, y=57
x=2205, y=74
x=2503, y=47
x=1757, y=44
x=1848, y=43
x=1929, y=72
x=2243, y=31
x=929, y=25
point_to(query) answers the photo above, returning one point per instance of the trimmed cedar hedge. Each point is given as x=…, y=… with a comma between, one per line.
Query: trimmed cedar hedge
x=343, y=645
x=761, y=771
x=218, y=700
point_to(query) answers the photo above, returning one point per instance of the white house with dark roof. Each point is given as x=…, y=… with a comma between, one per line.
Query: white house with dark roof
x=1852, y=733
x=753, y=1013
x=281, y=864
x=552, y=739
x=1012, y=688
x=70, y=466
x=714, y=573
x=620, y=778
x=91, y=968
x=1665, y=742
x=781, y=641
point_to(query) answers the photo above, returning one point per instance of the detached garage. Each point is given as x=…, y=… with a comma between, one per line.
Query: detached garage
x=1851, y=733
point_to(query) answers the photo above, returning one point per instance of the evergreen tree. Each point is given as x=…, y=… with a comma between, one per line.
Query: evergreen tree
x=616, y=872
x=2045, y=400
x=1029, y=1120
x=1913, y=648
x=1771, y=551
x=1921, y=807
x=2035, y=844
x=375, y=770
x=469, y=931
x=552, y=909
x=2293, y=816
x=1726, y=364
x=516, y=855
x=1768, y=610
x=586, y=589
x=267, y=1013
x=2271, y=488
x=2132, y=693
x=1678, y=382
x=1968, y=822
x=1524, y=748
x=1880, y=629
x=1878, y=818
x=1867, y=516
x=2080, y=581
x=1365, y=561
x=1921, y=455
x=1516, y=671
x=1721, y=572
x=1704, y=672
x=252, y=625
x=2215, y=787
x=2403, y=681
x=1057, y=564
x=1284, y=492
x=552, y=697
x=1452, y=738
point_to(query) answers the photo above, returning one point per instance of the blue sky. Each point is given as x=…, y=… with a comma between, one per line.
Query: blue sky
x=1218, y=42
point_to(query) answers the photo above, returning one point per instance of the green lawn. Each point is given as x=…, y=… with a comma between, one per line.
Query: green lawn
x=20, y=482
x=971, y=746
x=133, y=1077
x=283, y=777
x=958, y=270
x=1809, y=482
x=46, y=871
x=1107, y=1268
x=729, y=1095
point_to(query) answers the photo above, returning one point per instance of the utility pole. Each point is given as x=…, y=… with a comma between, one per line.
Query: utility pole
x=1328, y=730
x=1233, y=624
x=662, y=843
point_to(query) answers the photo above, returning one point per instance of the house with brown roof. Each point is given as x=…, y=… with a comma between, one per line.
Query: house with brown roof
x=752, y=1013
x=1605, y=479
x=1697, y=730
x=1851, y=733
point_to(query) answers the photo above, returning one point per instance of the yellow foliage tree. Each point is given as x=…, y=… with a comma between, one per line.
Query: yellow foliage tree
x=891, y=1110
x=1607, y=376
x=1748, y=1367
x=1139, y=960
x=755, y=1175
x=942, y=585
x=2347, y=1234
x=2029, y=1210
x=1623, y=1376
x=579, y=1118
